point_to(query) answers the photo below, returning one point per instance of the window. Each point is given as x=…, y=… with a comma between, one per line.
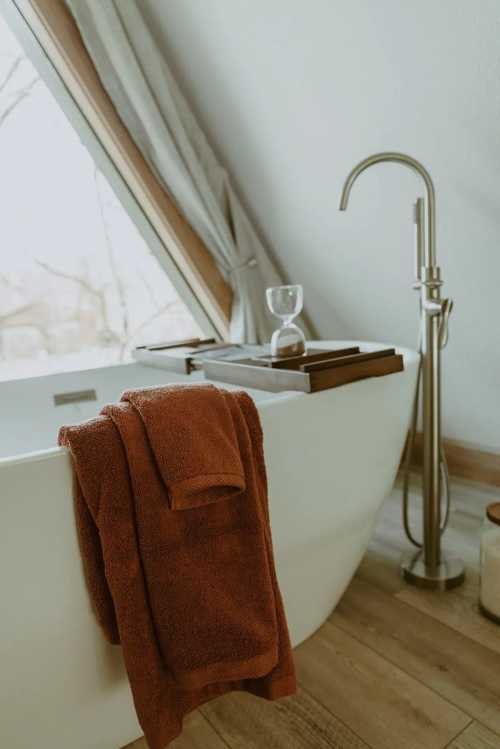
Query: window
x=79, y=287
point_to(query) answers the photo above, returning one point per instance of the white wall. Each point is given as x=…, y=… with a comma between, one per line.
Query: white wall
x=292, y=93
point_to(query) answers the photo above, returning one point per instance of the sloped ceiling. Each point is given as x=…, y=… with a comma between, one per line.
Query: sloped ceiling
x=292, y=93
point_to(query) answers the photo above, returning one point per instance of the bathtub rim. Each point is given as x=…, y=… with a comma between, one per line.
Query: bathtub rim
x=54, y=452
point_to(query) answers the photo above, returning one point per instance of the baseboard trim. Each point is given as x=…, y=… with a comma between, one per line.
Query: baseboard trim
x=464, y=461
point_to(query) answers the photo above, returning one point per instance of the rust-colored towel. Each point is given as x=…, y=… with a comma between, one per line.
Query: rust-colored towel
x=192, y=595
x=192, y=434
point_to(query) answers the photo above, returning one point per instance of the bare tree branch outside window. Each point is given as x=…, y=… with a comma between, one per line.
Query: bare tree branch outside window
x=100, y=290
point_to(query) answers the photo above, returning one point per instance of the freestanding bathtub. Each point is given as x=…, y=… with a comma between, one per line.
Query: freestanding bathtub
x=331, y=460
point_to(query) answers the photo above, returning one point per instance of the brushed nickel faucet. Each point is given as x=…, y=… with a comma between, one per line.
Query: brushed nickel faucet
x=428, y=567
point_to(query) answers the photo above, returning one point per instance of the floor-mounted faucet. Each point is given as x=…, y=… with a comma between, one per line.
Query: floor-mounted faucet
x=428, y=567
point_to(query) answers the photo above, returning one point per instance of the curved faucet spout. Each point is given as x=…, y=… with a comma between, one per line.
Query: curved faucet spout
x=411, y=163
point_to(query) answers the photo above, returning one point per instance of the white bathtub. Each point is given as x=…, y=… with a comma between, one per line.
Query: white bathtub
x=331, y=458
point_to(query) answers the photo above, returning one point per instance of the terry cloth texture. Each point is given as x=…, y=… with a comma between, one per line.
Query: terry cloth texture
x=172, y=515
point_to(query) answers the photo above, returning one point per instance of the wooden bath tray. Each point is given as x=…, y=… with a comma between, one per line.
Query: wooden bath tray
x=319, y=370
x=185, y=356
x=248, y=366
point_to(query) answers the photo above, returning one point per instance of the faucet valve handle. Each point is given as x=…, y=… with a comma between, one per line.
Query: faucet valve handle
x=440, y=308
x=433, y=307
x=446, y=308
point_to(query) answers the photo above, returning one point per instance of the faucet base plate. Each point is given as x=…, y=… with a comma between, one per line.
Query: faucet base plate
x=450, y=573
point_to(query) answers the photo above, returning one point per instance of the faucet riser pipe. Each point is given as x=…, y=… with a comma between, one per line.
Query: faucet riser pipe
x=431, y=449
x=427, y=568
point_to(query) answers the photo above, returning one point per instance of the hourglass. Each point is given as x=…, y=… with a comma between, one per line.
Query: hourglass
x=286, y=302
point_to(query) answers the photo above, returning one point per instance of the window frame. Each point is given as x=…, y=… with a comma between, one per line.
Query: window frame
x=51, y=43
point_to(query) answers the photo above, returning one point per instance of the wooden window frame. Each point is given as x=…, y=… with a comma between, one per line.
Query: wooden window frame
x=51, y=38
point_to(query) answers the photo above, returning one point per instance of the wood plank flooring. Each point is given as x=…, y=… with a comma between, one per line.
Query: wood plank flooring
x=382, y=702
x=197, y=734
x=247, y=723
x=464, y=672
x=395, y=667
x=475, y=736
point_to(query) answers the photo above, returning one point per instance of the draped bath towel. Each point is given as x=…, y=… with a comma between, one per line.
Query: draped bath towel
x=173, y=522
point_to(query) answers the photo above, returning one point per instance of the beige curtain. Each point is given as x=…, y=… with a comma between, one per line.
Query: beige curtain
x=148, y=100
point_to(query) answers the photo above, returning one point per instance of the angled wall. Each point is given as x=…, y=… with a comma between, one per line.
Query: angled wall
x=294, y=93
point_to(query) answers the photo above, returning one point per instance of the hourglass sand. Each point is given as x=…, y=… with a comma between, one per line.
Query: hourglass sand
x=286, y=302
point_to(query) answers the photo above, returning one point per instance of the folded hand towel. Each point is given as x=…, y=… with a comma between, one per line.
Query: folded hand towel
x=211, y=617
x=191, y=595
x=192, y=435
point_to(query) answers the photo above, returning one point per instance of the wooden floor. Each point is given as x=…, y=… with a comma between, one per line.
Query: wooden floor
x=393, y=668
